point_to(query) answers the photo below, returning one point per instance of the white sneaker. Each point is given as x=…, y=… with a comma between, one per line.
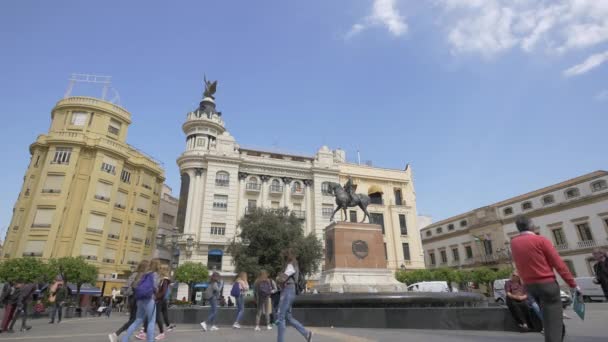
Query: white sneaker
x=204, y=326
x=257, y=329
x=113, y=337
x=214, y=328
x=269, y=327
x=236, y=326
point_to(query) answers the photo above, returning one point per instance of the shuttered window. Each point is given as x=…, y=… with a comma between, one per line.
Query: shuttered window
x=43, y=218
x=133, y=257
x=108, y=165
x=139, y=233
x=53, y=183
x=121, y=200
x=142, y=204
x=33, y=248
x=114, y=229
x=146, y=180
x=89, y=251
x=96, y=223
x=79, y=118
x=103, y=191
x=109, y=256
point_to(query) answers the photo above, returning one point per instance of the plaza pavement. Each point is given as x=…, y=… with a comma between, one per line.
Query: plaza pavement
x=90, y=329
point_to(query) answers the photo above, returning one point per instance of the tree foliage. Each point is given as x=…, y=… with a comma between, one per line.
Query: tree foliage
x=483, y=276
x=264, y=234
x=75, y=270
x=26, y=270
x=191, y=273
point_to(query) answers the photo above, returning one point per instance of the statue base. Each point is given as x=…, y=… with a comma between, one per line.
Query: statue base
x=355, y=260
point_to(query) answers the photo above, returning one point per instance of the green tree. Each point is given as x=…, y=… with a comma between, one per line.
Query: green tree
x=264, y=234
x=445, y=274
x=191, y=273
x=26, y=270
x=504, y=273
x=484, y=276
x=75, y=270
x=414, y=276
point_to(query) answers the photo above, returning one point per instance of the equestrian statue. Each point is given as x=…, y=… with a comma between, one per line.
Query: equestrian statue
x=346, y=198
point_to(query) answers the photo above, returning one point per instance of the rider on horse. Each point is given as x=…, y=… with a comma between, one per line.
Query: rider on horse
x=349, y=187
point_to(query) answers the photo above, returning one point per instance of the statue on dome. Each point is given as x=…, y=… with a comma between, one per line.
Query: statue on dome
x=210, y=88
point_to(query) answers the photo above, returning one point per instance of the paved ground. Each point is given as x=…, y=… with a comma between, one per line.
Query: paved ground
x=593, y=329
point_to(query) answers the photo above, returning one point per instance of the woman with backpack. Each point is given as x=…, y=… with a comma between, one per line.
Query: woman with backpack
x=130, y=293
x=212, y=293
x=289, y=280
x=146, y=288
x=163, y=286
x=239, y=288
x=262, y=291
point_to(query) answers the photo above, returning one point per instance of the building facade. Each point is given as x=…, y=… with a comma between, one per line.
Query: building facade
x=167, y=215
x=572, y=214
x=86, y=192
x=221, y=181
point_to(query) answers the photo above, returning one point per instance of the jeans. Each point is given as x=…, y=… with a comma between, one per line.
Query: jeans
x=536, y=309
x=145, y=309
x=211, y=319
x=240, y=307
x=548, y=296
x=132, y=315
x=288, y=295
x=56, y=311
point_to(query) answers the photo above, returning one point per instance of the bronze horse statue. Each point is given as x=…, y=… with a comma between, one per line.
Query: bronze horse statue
x=344, y=200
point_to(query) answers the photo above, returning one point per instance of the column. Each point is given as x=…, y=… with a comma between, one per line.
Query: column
x=285, y=201
x=308, y=205
x=189, y=205
x=264, y=190
x=241, y=202
x=196, y=214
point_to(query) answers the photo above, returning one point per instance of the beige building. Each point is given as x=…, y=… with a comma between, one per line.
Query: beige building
x=572, y=214
x=167, y=230
x=86, y=192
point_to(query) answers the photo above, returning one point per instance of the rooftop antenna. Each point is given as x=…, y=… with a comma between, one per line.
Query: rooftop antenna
x=96, y=79
x=358, y=157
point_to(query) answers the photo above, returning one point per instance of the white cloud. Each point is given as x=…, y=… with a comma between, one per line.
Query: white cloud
x=384, y=13
x=587, y=65
x=602, y=95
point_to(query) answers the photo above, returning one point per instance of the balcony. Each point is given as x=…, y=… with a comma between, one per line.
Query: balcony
x=249, y=210
x=587, y=244
x=222, y=182
x=276, y=190
x=102, y=198
x=108, y=261
x=89, y=257
x=143, y=211
x=297, y=192
x=119, y=206
x=113, y=236
x=301, y=214
x=253, y=187
x=136, y=239
x=33, y=254
x=562, y=247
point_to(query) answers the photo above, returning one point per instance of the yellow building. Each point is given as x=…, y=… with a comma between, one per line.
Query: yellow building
x=86, y=192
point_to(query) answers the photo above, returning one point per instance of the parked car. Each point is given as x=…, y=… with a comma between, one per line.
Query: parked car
x=500, y=294
x=590, y=290
x=431, y=286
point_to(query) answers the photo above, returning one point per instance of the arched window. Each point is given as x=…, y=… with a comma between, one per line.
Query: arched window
x=325, y=188
x=549, y=199
x=222, y=178
x=275, y=186
x=439, y=230
x=598, y=185
x=296, y=187
x=571, y=193
x=253, y=184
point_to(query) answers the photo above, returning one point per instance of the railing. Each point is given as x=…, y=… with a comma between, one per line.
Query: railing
x=143, y=211
x=222, y=182
x=253, y=186
x=587, y=244
x=561, y=247
x=102, y=198
x=297, y=192
x=220, y=205
x=94, y=230
x=249, y=210
x=108, y=261
x=90, y=257
x=119, y=206
x=276, y=189
x=113, y=236
x=301, y=214
x=80, y=100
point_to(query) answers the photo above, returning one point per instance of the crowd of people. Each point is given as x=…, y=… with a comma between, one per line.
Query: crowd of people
x=16, y=298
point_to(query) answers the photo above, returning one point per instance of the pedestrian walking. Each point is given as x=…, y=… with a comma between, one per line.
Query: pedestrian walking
x=57, y=297
x=288, y=280
x=535, y=259
x=517, y=301
x=601, y=270
x=130, y=293
x=149, y=317
x=25, y=298
x=164, y=302
x=9, y=298
x=163, y=286
x=213, y=294
x=239, y=288
x=262, y=291
x=275, y=297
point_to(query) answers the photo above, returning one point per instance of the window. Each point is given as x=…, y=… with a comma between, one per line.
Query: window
x=103, y=191
x=53, y=184
x=218, y=229
x=275, y=186
x=62, y=155
x=526, y=205
x=487, y=245
x=406, y=251
x=432, y=257
x=377, y=218
x=79, y=118
x=450, y=226
x=439, y=230
x=220, y=202
x=139, y=233
x=108, y=165
x=146, y=180
x=507, y=211
x=214, y=259
x=402, y=224
x=353, y=215
x=429, y=233
x=109, y=256
x=455, y=254
x=327, y=210
x=376, y=198
x=463, y=223
x=296, y=188
x=121, y=200
x=571, y=193
x=37, y=160
x=549, y=199
x=89, y=251
x=34, y=248
x=398, y=197
x=570, y=265
x=559, y=237
x=584, y=231
x=114, y=229
x=141, y=204
x=43, y=218
x=222, y=178
x=252, y=203
x=444, y=256
x=168, y=219
x=114, y=127
x=253, y=184
x=599, y=185
x=96, y=223
x=125, y=176
x=468, y=251
x=325, y=188
x=275, y=204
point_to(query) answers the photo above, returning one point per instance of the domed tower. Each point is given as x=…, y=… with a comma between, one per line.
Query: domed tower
x=203, y=125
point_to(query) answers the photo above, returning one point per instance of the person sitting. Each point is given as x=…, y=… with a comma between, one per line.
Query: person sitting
x=517, y=300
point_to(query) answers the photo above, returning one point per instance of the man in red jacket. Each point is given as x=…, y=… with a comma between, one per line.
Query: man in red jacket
x=535, y=259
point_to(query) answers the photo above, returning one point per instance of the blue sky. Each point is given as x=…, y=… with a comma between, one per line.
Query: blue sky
x=485, y=99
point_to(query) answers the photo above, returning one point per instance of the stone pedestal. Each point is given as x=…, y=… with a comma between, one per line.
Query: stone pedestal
x=355, y=260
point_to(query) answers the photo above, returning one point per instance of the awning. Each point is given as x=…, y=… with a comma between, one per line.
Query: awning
x=86, y=289
x=216, y=252
x=201, y=285
x=374, y=189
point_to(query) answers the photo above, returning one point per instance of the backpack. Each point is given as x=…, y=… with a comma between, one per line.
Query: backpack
x=236, y=290
x=264, y=289
x=145, y=288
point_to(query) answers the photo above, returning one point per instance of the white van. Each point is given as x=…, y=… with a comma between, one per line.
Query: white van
x=591, y=291
x=431, y=286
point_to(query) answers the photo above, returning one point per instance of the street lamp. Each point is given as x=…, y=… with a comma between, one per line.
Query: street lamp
x=402, y=267
x=189, y=244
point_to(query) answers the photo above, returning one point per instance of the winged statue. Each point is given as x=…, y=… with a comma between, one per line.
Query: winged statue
x=210, y=88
